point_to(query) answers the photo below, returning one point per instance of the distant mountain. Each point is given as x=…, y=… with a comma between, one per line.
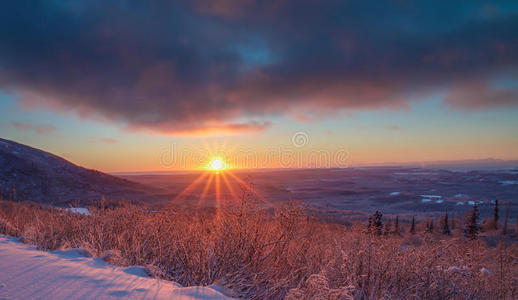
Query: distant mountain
x=27, y=173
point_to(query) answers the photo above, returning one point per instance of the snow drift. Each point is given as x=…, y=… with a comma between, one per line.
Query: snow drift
x=67, y=274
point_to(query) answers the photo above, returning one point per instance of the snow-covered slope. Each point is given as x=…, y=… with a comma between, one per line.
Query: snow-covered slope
x=26, y=273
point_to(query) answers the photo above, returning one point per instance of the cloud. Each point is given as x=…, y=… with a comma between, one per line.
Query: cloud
x=392, y=127
x=198, y=67
x=479, y=95
x=208, y=129
x=39, y=129
x=106, y=140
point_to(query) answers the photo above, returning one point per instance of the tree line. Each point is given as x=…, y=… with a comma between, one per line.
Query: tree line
x=470, y=226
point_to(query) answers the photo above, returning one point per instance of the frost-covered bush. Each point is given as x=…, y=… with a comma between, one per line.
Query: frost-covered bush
x=275, y=254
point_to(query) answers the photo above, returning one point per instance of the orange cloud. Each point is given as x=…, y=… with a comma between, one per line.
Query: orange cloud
x=206, y=129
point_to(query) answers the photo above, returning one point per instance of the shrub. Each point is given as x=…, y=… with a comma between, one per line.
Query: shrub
x=281, y=254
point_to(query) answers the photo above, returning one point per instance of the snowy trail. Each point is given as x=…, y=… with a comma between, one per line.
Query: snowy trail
x=26, y=273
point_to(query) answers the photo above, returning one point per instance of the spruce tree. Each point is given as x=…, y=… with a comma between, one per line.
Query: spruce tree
x=446, y=225
x=506, y=219
x=430, y=226
x=378, y=222
x=495, y=215
x=412, y=227
x=369, y=225
x=452, y=221
x=396, y=226
x=388, y=227
x=472, y=227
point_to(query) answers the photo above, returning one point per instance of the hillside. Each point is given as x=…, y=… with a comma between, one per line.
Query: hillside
x=27, y=173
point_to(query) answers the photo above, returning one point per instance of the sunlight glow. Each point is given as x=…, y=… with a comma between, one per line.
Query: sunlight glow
x=216, y=164
x=216, y=185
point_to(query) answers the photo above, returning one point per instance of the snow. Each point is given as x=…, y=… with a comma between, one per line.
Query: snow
x=454, y=269
x=457, y=269
x=461, y=196
x=485, y=271
x=508, y=182
x=471, y=202
x=459, y=203
x=79, y=210
x=27, y=273
x=430, y=198
x=394, y=193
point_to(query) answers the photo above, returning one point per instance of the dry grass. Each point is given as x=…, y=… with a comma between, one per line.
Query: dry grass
x=284, y=254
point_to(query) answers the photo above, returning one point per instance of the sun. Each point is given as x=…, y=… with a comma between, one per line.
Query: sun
x=216, y=164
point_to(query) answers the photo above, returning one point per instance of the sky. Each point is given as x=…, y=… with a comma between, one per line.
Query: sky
x=166, y=85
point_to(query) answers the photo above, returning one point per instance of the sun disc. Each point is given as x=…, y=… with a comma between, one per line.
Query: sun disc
x=216, y=164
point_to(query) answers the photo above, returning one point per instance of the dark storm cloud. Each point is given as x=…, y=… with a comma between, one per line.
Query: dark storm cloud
x=228, y=66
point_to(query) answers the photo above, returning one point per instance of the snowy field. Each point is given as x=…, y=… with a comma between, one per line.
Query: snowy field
x=27, y=273
x=393, y=190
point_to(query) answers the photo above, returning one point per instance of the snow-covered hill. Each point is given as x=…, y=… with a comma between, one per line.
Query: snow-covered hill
x=26, y=273
x=27, y=173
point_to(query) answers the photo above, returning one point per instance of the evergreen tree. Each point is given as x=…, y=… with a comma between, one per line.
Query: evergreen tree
x=396, y=226
x=452, y=221
x=388, y=227
x=495, y=215
x=446, y=225
x=430, y=226
x=506, y=219
x=369, y=225
x=472, y=227
x=377, y=222
x=412, y=227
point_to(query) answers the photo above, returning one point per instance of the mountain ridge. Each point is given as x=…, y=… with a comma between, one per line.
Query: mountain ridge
x=29, y=173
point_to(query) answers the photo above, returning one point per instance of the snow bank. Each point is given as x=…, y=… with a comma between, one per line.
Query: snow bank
x=27, y=273
x=79, y=210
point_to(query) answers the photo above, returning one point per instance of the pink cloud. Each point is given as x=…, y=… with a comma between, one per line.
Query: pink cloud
x=392, y=127
x=106, y=140
x=479, y=95
x=206, y=128
x=37, y=128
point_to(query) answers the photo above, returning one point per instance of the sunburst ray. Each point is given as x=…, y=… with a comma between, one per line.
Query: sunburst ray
x=190, y=187
x=248, y=187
